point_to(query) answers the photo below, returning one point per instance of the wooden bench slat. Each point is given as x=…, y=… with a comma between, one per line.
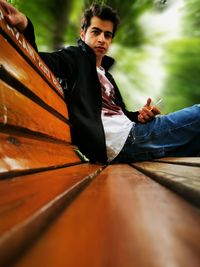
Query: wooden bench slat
x=19, y=86
x=184, y=180
x=190, y=161
x=20, y=154
x=122, y=218
x=20, y=70
x=18, y=110
x=17, y=40
x=28, y=203
x=25, y=194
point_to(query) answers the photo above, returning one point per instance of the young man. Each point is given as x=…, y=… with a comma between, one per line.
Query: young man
x=102, y=128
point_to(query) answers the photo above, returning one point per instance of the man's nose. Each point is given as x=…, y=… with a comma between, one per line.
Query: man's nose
x=101, y=37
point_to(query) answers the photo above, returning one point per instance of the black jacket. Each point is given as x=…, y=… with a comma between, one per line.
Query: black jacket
x=76, y=66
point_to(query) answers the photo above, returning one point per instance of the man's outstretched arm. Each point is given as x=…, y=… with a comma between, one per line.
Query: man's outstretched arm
x=61, y=65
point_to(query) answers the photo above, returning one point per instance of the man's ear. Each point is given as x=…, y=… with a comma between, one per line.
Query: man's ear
x=82, y=34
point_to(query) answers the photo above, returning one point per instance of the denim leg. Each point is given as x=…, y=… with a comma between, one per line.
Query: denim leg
x=175, y=134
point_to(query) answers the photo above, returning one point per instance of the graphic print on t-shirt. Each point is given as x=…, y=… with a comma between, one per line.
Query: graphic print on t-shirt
x=109, y=107
x=115, y=123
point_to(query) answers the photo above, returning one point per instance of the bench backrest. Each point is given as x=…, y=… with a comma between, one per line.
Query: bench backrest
x=34, y=127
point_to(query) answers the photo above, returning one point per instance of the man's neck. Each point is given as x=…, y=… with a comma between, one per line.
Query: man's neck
x=98, y=62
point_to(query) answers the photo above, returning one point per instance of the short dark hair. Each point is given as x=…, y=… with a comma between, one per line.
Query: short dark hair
x=101, y=11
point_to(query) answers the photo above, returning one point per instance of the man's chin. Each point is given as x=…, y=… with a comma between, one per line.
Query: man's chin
x=100, y=53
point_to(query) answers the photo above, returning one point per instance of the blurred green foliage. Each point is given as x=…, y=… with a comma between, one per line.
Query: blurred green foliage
x=183, y=68
x=157, y=46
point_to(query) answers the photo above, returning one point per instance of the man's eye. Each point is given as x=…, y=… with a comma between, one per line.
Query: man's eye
x=95, y=32
x=108, y=35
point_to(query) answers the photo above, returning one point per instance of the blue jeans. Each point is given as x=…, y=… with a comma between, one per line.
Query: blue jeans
x=174, y=135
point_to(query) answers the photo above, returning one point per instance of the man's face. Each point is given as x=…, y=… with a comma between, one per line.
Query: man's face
x=98, y=36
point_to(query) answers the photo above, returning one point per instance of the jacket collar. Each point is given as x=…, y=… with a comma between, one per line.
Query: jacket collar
x=107, y=61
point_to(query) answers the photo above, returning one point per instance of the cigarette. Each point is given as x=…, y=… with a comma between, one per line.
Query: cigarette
x=157, y=103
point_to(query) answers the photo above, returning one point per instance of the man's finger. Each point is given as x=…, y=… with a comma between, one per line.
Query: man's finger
x=155, y=110
x=141, y=119
x=146, y=112
x=148, y=103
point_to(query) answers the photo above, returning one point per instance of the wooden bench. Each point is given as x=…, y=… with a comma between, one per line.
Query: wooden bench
x=56, y=210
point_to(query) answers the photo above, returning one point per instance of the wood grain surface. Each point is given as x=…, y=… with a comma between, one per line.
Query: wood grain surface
x=189, y=161
x=17, y=40
x=122, y=218
x=19, y=155
x=21, y=70
x=29, y=203
x=20, y=111
x=183, y=179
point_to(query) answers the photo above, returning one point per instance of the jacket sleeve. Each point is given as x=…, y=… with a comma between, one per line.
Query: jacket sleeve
x=61, y=63
x=30, y=35
x=132, y=115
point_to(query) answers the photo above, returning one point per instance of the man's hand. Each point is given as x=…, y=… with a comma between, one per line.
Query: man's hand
x=148, y=112
x=13, y=16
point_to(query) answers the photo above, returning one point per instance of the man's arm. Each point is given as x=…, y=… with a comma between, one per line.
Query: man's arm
x=18, y=20
x=61, y=62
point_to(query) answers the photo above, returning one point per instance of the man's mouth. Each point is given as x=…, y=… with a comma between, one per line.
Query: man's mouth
x=100, y=48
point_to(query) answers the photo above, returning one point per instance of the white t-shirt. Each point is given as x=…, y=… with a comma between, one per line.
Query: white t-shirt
x=116, y=124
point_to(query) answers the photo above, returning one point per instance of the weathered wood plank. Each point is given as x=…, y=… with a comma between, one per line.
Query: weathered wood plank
x=23, y=46
x=190, y=161
x=18, y=110
x=20, y=154
x=184, y=180
x=16, y=68
x=29, y=203
x=121, y=219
